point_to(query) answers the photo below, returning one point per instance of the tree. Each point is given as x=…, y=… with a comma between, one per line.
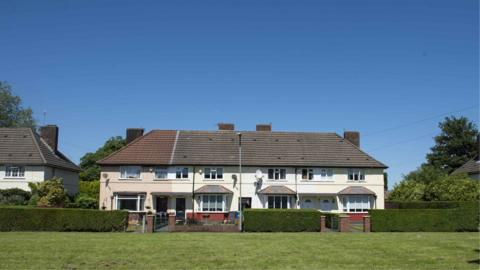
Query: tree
x=12, y=114
x=455, y=145
x=88, y=163
x=408, y=190
x=458, y=187
x=49, y=193
x=425, y=174
x=385, y=181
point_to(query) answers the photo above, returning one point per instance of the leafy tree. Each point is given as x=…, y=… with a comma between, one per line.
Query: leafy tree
x=458, y=187
x=49, y=193
x=408, y=190
x=88, y=163
x=385, y=181
x=455, y=145
x=12, y=114
x=425, y=174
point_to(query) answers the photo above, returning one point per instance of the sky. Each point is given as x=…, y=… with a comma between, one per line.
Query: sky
x=388, y=69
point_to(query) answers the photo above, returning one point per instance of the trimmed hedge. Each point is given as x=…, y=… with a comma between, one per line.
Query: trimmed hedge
x=422, y=204
x=61, y=219
x=281, y=220
x=466, y=217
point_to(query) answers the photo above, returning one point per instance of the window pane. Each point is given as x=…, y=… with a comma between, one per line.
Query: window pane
x=277, y=201
x=204, y=203
x=178, y=174
x=207, y=173
x=304, y=174
x=127, y=204
x=284, y=202
x=219, y=203
x=220, y=173
x=270, y=173
x=211, y=201
x=270, y=201
x=185, y=173
x=310, y=175
x=277, y=174
x=283, y=173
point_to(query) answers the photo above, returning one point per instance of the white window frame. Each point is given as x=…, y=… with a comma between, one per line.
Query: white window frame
x=356, y=175
x=181, y=171
x=277, y=172
x=140, y=201
x=211, y=173
x=14, y=171
x=325, y=174
x=281, y=201
x=161, y=171
x=209, y=196
x=125, y=172
x=310, y=176
x=357, y=203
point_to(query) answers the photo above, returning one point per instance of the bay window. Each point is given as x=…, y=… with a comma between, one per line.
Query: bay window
x=130, y=202
x=213, y=203
x=357, y=203
x=130, y=172
x=277, y=174
x=213, y=173
x=15, y=171
x=356, y=175
x=278, y=201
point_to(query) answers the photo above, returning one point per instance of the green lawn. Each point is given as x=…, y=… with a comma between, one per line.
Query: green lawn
x=42, y=250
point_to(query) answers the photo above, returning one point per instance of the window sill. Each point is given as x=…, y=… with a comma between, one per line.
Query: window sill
x=132, y=179
x=356, y=181
x=212, y=179
x=14, y=178
x=318, y=181
x=280, y=180
x=170, y=180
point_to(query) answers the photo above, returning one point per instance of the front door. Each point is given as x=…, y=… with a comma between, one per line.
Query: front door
x=246, y=203
x=180, y=208
x=162, y=204
x=326, y=205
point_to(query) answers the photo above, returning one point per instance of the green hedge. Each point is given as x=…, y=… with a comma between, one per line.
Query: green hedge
x=466, y=217
x=281, y=220
x=423, y=204
x=61, y=219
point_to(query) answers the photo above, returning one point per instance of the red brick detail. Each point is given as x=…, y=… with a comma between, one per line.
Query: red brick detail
x=356, y=216
x=150, y=223
x=344, y=224
x=322, y=224
x=366, y=224
x=172, y=220
x=207, y=228
x=208, y=216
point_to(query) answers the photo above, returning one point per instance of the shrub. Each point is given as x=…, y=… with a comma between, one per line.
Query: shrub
x=421, y=205
x=14, y=196
x=466, y=217
x=49, y=193
x=56, y=219
x=90, y=188
x=85, y=202
x=281, y=220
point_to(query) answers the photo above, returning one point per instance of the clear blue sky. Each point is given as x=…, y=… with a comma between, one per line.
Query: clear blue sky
x=379, y=67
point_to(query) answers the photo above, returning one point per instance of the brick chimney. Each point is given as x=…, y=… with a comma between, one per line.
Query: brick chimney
x=133, y=133
x=49, y=134
x=226, y=126
x=264, y=127
x=353, y=137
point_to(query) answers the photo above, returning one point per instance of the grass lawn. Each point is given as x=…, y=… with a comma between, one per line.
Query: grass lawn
x=40, y=250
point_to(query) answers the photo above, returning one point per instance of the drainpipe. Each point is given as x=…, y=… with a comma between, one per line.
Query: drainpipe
x=240, y=180
x=193, y=195
x=296, y=188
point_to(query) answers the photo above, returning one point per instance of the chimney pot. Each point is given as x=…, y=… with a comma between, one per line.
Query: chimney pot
x=49, y=134
x=264, y=127
x=133, y=133
x=353, y=137
x=226, y=126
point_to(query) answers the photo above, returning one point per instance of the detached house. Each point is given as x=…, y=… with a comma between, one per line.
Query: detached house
x=197, y=173
x=26, y=156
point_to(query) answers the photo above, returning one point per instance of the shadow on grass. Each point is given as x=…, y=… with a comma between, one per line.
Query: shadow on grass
x=477, y=261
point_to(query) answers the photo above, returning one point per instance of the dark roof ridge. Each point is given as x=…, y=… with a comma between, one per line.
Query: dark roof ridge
x=247, y=131
x=35, y=142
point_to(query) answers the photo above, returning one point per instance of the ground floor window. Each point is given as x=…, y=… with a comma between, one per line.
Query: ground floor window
x=278, y=201
x=130, y=202
x=213, y=203
x=357, y=203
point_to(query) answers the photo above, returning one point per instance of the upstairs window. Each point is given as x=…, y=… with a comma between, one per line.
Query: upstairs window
x=277, y=174
x=307, y=174
x=130, y=172
x=161, y=173
x=326, y=174
x=356, y=175
x=15, y=171
x=213, y=173
x=181, y=173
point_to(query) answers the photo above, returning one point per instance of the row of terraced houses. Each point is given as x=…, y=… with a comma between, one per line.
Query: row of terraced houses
x=211, y=173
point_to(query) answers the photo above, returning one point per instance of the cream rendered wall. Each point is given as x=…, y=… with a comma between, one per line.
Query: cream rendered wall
x=183, y=188
x=32, y=174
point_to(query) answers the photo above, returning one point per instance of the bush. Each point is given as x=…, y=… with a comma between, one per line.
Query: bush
x=466, y=217
x=56, y=219
x=90, y=188
x=14, y=196
x=421, y=205
x=85, y=202
x=281, y=220
x=49, y=193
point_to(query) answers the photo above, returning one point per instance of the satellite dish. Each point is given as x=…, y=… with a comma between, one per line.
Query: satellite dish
x=105, y=175
x=259, y=174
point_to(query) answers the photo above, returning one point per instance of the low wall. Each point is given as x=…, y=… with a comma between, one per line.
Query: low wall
x=206, y=228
